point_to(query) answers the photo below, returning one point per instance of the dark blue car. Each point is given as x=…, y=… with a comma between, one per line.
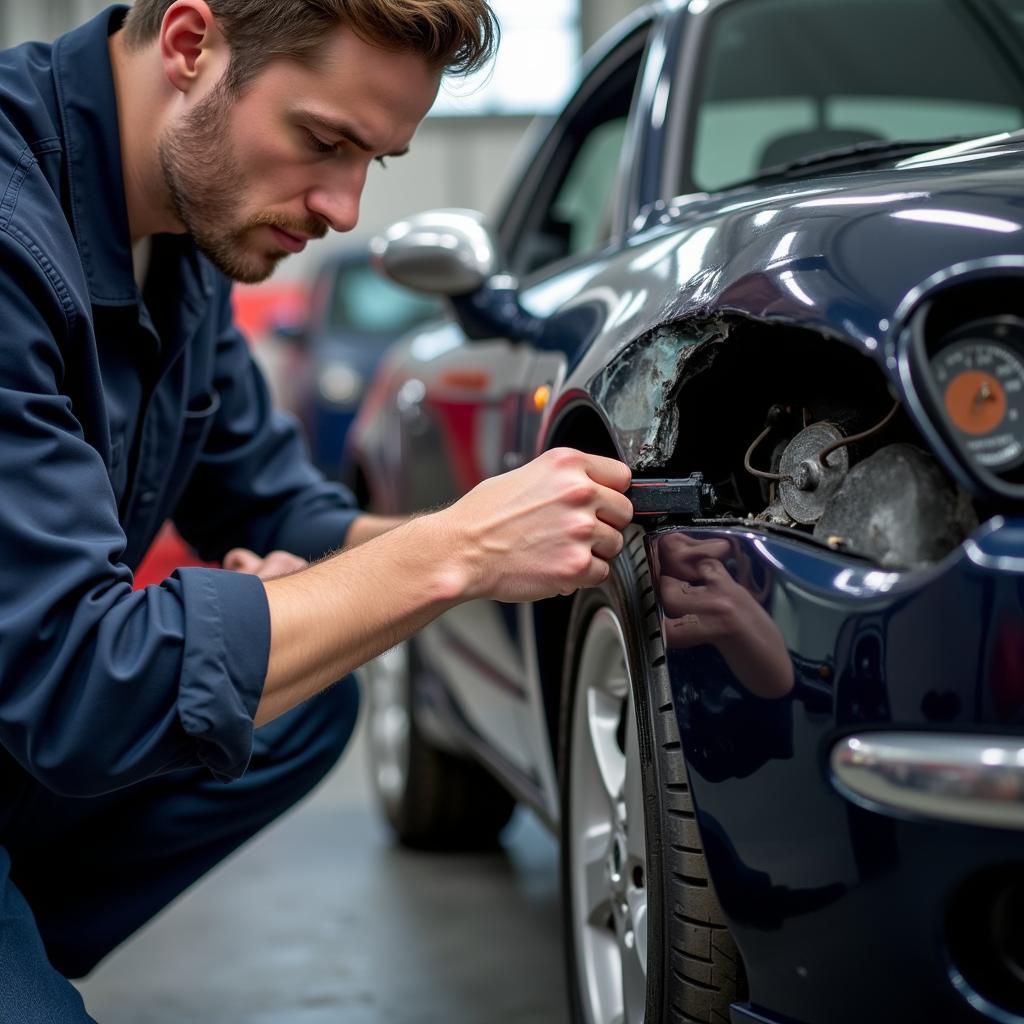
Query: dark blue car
x=772, y=256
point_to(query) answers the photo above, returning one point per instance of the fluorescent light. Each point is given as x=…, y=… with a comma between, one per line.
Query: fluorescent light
x=892, y=197
x=782, y=249
x=959, y=219
x=788, y=279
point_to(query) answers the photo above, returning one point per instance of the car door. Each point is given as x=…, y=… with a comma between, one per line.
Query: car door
x=470, y=409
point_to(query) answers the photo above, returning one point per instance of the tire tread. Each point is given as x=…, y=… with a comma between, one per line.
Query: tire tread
x=699, y=965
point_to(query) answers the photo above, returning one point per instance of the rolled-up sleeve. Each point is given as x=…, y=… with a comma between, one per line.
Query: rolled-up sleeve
x=254, y=485
x=227, y=624
x=100, y=686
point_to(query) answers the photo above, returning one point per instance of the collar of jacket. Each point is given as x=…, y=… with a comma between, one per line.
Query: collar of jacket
x=84, y=80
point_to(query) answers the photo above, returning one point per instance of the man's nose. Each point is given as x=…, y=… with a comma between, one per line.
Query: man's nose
x=337, y=202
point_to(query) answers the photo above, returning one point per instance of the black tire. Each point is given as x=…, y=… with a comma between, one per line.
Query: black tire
x=442, y=802
x=693, y=968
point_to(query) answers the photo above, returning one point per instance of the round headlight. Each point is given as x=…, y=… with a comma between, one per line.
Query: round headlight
x=340, y=384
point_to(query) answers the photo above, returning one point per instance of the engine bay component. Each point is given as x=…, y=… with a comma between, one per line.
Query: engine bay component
x=979, y=374
x=897, y=508
x=808, y=482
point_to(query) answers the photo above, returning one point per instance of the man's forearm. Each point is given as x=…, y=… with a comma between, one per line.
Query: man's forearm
x=547, y=528
x=366, y=527
x=339, y=613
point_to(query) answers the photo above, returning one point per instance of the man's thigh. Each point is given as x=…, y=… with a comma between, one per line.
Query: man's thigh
x=31, y=991
x=94, y=871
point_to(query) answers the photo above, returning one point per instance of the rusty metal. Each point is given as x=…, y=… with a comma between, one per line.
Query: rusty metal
x=750, y=454
x=806, y=486
x=640, y=387
x=854, y=438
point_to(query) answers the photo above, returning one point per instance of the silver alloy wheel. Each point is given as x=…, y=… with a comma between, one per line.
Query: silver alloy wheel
x=608, y=851
x=389, y=724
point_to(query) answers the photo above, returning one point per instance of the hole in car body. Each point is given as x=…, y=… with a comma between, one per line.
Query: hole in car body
x=794, y=430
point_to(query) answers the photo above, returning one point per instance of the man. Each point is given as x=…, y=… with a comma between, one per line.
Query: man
x=143, y=163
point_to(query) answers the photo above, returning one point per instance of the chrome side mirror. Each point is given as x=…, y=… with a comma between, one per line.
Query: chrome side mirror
x=442, y=252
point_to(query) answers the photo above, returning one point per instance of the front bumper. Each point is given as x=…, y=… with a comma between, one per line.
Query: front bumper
x=853, y=889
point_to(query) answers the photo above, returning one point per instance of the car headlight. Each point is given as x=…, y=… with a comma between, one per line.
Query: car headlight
x=340, y=385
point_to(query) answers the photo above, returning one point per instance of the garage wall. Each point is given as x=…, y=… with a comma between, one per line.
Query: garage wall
x=454, y=161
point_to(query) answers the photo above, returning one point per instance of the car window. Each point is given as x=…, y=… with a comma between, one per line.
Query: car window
x=785, y=79
x=584, y=200
x=570, y=199
x=365, y=302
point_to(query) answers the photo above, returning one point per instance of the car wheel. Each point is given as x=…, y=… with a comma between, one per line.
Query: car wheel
x=645, y=937
x=431, y=798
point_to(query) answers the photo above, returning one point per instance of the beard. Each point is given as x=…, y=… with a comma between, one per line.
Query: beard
x=206, y=185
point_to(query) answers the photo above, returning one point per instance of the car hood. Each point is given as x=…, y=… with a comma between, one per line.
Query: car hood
x=845, y=254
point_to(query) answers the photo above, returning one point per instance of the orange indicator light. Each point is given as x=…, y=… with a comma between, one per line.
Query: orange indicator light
x=541, y=397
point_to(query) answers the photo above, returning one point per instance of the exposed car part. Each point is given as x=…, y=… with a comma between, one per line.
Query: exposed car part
x=432, y=799
x=646, y=939
x=899, y=509
x=808, y=478
x=845, y=442
x=812, y=466
x=822, y=410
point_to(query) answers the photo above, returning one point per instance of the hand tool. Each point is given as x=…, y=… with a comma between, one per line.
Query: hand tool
x=666, y=497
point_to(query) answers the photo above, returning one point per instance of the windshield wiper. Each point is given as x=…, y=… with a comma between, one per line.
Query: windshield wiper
x=855, y=155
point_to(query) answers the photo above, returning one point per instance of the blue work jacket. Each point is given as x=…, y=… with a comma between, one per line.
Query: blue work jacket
x=117, y=411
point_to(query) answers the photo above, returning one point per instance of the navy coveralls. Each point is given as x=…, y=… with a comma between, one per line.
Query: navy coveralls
x=123, y=713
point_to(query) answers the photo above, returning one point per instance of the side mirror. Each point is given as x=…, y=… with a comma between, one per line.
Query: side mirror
x=442, y=252
x=451, y=253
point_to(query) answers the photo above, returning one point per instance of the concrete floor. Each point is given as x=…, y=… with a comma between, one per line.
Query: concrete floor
x=322, y=920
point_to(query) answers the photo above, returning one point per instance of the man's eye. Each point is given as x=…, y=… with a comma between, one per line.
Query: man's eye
x=382, y=161
x=318, y=144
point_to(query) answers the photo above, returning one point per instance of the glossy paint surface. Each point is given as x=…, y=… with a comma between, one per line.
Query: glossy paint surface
x=847, y=256
x=776, y=651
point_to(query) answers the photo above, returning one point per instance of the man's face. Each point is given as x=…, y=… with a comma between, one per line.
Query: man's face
x=253, y=177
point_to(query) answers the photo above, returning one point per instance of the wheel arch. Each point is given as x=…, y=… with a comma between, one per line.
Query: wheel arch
x=580, y=427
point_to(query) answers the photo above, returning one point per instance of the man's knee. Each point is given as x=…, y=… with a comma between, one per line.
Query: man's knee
x=31, y=990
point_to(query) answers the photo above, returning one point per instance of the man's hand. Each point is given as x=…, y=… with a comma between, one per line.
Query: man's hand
x=548, y=528
x=277, y=563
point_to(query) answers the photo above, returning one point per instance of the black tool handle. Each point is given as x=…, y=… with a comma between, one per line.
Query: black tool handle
x=684, y=498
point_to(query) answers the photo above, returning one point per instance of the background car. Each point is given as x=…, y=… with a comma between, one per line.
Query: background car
x=354, y=315
x=771, y=255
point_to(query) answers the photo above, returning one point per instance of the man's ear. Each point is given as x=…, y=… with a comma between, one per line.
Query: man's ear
x=191, y=44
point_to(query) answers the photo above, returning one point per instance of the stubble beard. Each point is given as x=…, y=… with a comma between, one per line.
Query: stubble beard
x=205, y=187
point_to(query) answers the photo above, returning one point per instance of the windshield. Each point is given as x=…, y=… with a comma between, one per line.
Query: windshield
x=363, y=301
x=782, y=80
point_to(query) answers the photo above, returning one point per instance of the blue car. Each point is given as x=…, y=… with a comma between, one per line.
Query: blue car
x=771, y=255
x=354, y=315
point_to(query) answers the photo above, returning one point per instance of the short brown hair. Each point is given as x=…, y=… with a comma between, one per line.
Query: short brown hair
x=453, y=36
